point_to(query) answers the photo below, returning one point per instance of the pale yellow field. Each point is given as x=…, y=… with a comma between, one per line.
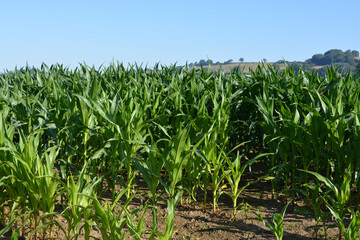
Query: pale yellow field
x=228, y=67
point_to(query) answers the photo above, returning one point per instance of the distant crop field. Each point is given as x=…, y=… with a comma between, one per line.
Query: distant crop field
x=318, y=67
x=228, y=67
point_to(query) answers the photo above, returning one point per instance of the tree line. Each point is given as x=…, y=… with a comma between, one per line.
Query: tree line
x=204, y=62
x=345, y=62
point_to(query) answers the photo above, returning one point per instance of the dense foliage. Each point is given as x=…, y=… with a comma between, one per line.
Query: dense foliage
x=68, y=136
x=344, y=62
x=334, y=56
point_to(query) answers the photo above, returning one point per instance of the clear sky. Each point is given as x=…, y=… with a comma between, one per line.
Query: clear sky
x=99, y=32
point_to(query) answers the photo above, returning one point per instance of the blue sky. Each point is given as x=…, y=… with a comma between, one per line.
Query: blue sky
x=98, y=32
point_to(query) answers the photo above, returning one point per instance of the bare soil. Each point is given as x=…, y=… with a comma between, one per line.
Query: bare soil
x=193, y=222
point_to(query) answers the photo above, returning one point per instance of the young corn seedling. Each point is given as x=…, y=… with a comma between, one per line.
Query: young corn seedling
x=48, y=182
x=135, y=223
x=278, y=219
x=234, y=174
x=150, y=171
x=352, y=231
x=194, y=174
x=25, y=177
x=110, y=224
x=128, y=132
x=336, y=204
x=88, y=122
x=176, y=155
x=6, y=130
x=316, y=200
x=79, y=212
x=15, y=233
x=214, y=167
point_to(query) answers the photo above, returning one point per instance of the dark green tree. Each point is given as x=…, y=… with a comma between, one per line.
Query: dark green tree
x=209, y=62
x=333, y=56
x=350, y=59
x=355, y=53
x=318, y=59
x=241, y=59
x=358, y=68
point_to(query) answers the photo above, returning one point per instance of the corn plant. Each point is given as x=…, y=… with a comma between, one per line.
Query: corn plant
x=277, y=227
x=28, y=174
x=79, y=212
x=314, y=196
x=214, y=168
x=151, y=171
x=352, y=231
x=234, y=174
x=135, y=223
x=111, y=225
x=15, y=233
x=336, y=204
x=4, y=155
x=49, y=182
x=129, y=135
x=176, y=156
x=215, y=142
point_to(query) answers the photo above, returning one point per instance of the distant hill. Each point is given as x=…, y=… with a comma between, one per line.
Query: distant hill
x=345, y=61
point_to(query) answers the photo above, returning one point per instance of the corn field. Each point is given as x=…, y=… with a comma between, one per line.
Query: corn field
x=70, y=137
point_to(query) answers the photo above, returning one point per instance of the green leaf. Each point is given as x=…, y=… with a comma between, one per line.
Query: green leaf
x=8, y=227
x=325, y=180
